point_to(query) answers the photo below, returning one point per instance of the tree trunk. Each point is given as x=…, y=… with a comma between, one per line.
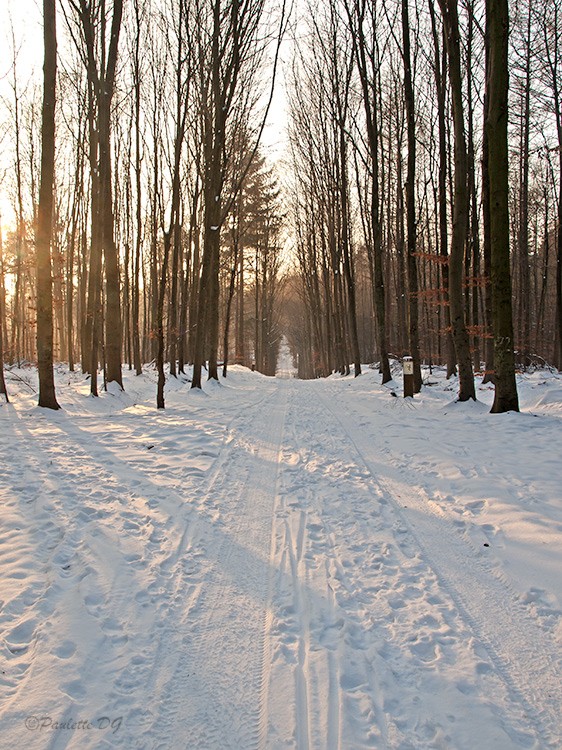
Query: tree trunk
x=372, y=122
x=558, y=114
x=460, y=207
x=3, y=389
x=440, y=68
x=214, y=140
x=524, y=327
x=410, y=202
x=474, y=230
x=497, y=80
x=487, y=248
x=113, y=332
x=47, y=395
x=138, y=184
x=347, y=257
x=240, y=358
x=160, y=404
x=230, y=296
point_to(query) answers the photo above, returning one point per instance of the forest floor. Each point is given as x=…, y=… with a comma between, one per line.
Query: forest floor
x=273, y=563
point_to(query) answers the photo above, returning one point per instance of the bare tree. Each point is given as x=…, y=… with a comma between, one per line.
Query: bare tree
x=363, y=20
x=497, y=82
x=551, y=25
x=232, y=46
x=3, y=389
x=99, y=50
x=47, y=396
x=460, y=206
x=172, y=234
x=411, y=198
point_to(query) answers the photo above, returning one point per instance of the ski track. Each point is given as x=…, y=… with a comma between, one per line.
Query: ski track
x=223, y=636
x=344, y=648
x=294, y=586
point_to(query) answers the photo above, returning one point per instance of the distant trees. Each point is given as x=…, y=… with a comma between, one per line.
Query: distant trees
x=321, y=118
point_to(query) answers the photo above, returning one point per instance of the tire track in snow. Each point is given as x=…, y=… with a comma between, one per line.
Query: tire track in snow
x=513, y=642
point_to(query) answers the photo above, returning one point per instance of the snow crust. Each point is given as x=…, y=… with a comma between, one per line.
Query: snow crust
x=280, y=564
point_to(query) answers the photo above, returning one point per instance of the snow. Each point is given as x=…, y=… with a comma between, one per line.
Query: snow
x=275, y=563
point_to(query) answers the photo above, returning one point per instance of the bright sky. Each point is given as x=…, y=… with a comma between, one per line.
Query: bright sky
x=25, y=17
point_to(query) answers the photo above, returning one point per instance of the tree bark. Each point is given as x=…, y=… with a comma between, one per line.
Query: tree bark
x=138, y=184
x=411, y=202
x=440, y=71
x=113, y=332
x=3, y=389
x=370, y=107
x=487, y=240
x=460, y=207
x=497, y=80
x=47, y=395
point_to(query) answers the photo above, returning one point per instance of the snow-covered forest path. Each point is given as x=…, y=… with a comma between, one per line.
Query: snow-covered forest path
x=279, y=564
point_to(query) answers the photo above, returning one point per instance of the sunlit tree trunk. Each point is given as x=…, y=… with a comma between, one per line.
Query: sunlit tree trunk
x=3, y=389
x=137, y=72
x=100, y=58
x=113, y=331
x=47, y=395
x=368, y=63
x=487, y=239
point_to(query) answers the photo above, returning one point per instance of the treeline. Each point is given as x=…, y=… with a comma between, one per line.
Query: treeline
x=422, y=219
x=164, y=229
x=390, y=130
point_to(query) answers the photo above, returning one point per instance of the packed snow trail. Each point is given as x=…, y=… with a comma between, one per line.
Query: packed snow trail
x=212, y=695
x=378, y=609
x=276, y=564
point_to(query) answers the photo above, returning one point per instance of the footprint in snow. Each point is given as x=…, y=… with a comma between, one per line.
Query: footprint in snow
x=65, y=649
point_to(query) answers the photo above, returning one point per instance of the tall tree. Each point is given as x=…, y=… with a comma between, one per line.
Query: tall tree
x=172, y=235
x=363, y=20
x=525, y=85
x=3, y=389
x=440, y=70
x=460, y=207
x=47, y=396
x=497, y=83
x=99, y=51
x=232, y=45
x=551, y=23
x=137, y=70
x=411, y=198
